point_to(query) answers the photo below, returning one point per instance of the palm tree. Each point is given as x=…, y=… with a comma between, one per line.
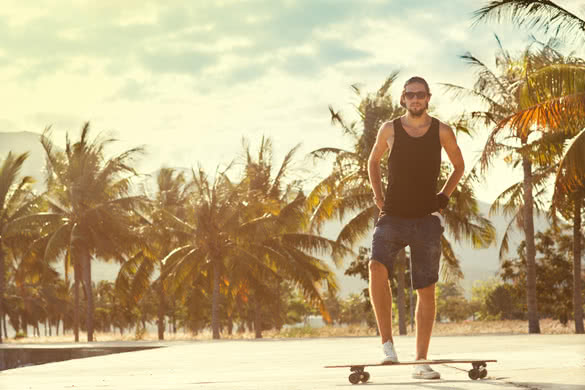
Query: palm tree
x=503, y=94
x=171, y=196
x=205, y=236
x=222, y=235
x=90, y=210
x=347, y=190
x=558, y=106
x=275, y=231
x=16, y=200
x=570, y=188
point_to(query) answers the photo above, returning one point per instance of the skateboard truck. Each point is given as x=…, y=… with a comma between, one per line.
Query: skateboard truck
x=479, y=371
x=358, y=374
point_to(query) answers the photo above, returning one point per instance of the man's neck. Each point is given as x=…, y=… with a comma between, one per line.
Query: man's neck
x=416, y=121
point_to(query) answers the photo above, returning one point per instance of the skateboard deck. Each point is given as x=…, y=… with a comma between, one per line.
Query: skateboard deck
x=479, y=370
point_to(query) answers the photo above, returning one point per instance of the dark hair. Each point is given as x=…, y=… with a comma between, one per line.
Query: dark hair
x=415, y=79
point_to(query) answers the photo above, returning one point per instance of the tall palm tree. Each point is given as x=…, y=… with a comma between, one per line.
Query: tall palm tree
x=558, y=105
x=346, y=191
x=16, y=200
x=90, y=210
x=204, y=236
x=276, y=232
x=171, y=197
x=570, y=192
x=503, y=94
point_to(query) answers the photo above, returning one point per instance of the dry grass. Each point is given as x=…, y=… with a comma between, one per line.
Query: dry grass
x=467, y=328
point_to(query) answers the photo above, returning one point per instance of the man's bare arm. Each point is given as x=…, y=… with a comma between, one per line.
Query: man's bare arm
x=449, y=143
x=384, y=133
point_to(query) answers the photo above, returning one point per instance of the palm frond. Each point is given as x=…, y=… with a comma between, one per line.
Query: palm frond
x=516, y=221
x=570, y=175
x=337, y=118
x=357, y=227
x=550, y=115
x=459, y=92
x=9, y=171
x=534, y=14
x=141, y=280
x=277, y=182
x=57, y=243
x=450, y=268
x=32, y=221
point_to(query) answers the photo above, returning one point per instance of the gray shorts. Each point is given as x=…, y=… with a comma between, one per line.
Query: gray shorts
x=422, y=235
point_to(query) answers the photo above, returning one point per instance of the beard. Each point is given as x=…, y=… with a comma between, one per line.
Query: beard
x=417, y=111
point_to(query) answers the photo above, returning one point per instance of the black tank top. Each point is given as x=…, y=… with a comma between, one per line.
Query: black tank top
x=413, y=169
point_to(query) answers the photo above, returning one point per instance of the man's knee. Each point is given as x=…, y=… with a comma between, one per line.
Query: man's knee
x=377, y=268
x=427, y=293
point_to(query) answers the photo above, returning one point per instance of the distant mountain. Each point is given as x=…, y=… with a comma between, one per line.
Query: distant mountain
x=477, y=264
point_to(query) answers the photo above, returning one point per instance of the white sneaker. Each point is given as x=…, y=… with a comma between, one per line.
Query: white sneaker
x=424, y=371
x=389, y=353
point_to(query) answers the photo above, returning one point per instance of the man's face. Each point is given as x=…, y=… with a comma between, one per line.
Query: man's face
x=416, y=98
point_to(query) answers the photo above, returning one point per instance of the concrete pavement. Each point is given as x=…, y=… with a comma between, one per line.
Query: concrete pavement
x=524, y=362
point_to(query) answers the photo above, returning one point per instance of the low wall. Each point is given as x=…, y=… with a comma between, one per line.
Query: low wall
x=12, y=356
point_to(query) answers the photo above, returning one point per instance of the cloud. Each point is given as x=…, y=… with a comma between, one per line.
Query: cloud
x=174, y=39
x=191, y=78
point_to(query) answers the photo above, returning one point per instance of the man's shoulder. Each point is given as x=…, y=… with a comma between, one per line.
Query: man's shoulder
x=387, y=127
x=389, y=124
x=443, y=127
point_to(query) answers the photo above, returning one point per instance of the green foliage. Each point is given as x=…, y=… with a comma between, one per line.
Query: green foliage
x=298, y=309
x=495, y=300
x=333, y=306
x=354, y=310
x=554, y=270
x=451, y=304
x=504, y=302
x=300, y=332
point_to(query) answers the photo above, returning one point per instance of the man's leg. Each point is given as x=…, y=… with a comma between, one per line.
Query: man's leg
x=381, y=298
x=425, y=319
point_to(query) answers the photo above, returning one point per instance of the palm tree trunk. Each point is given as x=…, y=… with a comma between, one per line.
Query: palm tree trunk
x=577, y=303
x=400, y=297
x=257, y=317
x=230, y=325
x=76, y=308
x=2, y=279
x=279, y=316
x=215, y=301
x=89, y=293
x=533, y=322
x=161, y=312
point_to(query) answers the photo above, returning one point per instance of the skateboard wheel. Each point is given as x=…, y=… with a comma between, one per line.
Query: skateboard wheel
x=365, y=377
x=482, y=373
x=474, y=374
x=354, y=378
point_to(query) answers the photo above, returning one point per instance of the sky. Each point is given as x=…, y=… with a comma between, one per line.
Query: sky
x=189, y=79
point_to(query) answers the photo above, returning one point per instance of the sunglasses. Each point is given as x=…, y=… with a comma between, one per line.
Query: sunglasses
x=419, y=95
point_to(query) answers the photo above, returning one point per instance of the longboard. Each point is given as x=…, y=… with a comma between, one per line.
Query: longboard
x=479, y=370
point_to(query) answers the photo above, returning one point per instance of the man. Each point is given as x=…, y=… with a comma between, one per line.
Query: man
x=410, y=213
